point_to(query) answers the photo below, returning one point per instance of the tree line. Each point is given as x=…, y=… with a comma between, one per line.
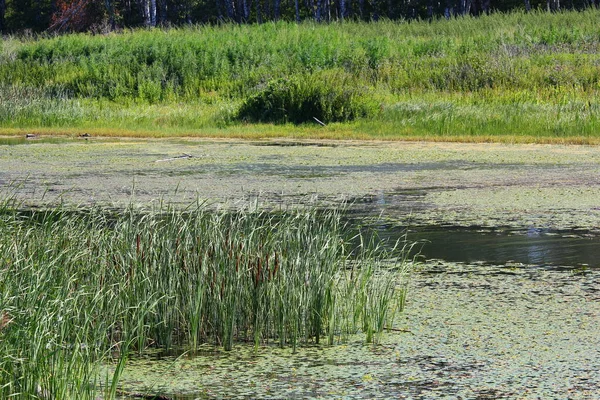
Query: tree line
x=22, y=16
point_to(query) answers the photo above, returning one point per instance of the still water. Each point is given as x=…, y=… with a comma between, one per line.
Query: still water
x=532, y=247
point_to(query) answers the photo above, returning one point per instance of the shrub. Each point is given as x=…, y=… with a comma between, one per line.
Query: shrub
x=330, y=96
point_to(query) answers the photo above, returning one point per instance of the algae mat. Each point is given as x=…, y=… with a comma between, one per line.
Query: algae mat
x=545, y=186
x=470, y=332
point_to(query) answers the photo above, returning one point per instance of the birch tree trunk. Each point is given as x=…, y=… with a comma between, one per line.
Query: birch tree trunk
x=485, y=6
x=448, y=9
x=229, y=8
x=276, y=9
x=318, y=11
x=111, y=14
x=219, y=11
x=553, y=5
x=297, y=8
x=152, y=13
x=162, y=15
x=246, y=9
x=145, y=11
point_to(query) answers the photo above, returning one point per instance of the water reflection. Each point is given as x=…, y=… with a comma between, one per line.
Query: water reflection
x=533, y=247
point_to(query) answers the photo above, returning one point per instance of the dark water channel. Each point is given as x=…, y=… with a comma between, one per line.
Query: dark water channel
x=13, y=141
x=499, y=247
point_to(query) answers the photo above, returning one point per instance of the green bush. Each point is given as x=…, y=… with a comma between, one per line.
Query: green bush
x=330, y=96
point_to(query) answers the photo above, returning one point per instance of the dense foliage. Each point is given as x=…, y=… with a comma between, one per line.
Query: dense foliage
x=105, y=15
x=505, y=74
x=331, y=96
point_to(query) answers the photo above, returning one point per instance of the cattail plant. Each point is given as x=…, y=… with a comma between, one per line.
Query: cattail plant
x=82, y=287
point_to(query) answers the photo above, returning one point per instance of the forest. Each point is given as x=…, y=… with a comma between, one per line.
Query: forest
x=57, y=16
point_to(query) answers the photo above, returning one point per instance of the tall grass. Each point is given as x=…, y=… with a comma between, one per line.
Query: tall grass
x=282, y=72
x=80, y=288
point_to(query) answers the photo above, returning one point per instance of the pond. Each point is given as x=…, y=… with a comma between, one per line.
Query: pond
x=492, y=314
x=470, y=331
x=504, y=304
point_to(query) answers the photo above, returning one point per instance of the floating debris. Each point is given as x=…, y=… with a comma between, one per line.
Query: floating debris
x=181, y=157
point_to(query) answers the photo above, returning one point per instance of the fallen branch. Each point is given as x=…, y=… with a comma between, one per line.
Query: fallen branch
x=67, y=16
x=143, y=395
x=399, y=330
x=319, y=122
x=182, y=157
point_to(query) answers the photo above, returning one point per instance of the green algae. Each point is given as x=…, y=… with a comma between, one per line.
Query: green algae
x=417, y=183
x=469, y=331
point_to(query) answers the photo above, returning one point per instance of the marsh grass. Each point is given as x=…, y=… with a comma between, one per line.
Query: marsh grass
x=505, y=75
x=79, y=288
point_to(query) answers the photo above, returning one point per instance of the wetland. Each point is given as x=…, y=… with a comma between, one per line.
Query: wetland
x=504, y=300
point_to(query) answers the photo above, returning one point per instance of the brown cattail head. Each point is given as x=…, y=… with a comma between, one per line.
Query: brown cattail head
x=5, y=320
x=267, y=271
x=276, y=267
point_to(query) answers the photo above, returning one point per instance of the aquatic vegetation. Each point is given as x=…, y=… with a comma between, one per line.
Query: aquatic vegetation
x=79, y=287
x=472, y=330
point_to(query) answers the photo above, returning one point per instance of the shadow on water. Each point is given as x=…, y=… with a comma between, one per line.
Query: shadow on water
x=20, y=140
x=531, y=247
x=500, y=246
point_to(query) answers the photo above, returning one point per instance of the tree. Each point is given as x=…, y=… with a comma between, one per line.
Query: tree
x=152, y=12
x=553, y=5
x=2, y=13
x=76, y=15
x=82, y=15
x=111, y=14
x=69, y=16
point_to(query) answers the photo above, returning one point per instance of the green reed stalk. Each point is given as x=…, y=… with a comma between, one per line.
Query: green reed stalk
x=78, y=286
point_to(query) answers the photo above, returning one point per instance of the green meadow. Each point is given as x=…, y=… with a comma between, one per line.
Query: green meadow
x=512, y=77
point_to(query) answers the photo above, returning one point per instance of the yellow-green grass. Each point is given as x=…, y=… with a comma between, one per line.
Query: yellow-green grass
x=506, y=78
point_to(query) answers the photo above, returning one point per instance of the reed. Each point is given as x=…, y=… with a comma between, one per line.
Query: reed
x=79, y=288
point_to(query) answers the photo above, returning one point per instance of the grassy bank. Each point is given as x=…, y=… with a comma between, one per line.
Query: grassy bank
x=507, y=77
x=82, y=288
